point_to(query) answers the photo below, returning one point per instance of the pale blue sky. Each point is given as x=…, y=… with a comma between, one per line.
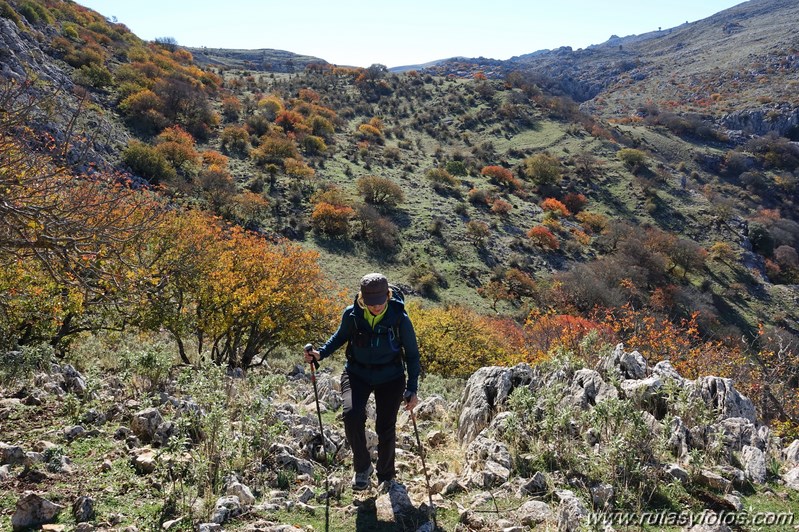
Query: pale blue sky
x=360, y=32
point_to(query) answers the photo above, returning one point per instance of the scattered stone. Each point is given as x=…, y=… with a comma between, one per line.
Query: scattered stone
x=677, y=473
x=83, y=509
x=571, y=511
x=537, y=485
x=106, y=466
x=209, y=527
x=534, y=513
x=167, y=525
x=226, y=508
x=601, y=495
x=242, y=492
x=145, y=423
x=735, y=501
x=11, y=454
x=5, y=472
x=73, y=432
x=436, y=438
x=144, y=460
x=33, y=510
x=84, y=527
x=713, y=481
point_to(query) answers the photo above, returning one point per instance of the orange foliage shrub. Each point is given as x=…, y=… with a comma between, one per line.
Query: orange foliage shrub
x=332, y=220
x=501, y=207
x=501, y=176
x=543, y=237
x=546, y=333
x=555, y=207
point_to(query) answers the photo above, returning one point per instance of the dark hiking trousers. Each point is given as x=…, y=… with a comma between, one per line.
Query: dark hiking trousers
x=388, y=397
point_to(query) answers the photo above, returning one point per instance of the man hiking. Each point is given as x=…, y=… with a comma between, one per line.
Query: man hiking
x=381, y=343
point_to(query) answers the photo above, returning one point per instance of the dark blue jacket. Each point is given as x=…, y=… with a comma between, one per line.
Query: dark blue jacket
x=375, y=354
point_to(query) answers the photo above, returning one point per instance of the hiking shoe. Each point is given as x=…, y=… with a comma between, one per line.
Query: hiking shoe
x=362, y=480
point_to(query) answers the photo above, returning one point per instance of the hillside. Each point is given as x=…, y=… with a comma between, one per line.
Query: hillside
x=265, y=60
x=170, y=213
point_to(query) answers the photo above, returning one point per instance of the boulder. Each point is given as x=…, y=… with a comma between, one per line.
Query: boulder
x=32, y=511
x=754, y=461
x=243, y=493
x=571, y=511
x=486, y=391
x=666, y=371
x=587, y=389
x=625, y=365
x=533, y=513
x=83, y=509
x=11, y=454
x=489, y=463
x=145, y=423
x=720, y=394
x=791, y=478
x=791, y=453
x=226, y=508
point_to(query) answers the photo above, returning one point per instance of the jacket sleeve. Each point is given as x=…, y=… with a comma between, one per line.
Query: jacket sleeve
x=412, y=359
x=339, y=337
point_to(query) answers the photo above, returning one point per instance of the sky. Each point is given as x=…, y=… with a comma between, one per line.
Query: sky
x=398, y=33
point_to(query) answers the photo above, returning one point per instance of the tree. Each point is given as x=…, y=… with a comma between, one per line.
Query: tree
x=71, y=234
x=542, y=169
x=380, y=191
x=477, y=232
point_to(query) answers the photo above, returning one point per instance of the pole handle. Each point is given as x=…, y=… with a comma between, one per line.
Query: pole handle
x=314, y=362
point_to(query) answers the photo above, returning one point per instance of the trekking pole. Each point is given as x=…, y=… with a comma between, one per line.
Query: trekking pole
x=314, y=367
x=424, y=468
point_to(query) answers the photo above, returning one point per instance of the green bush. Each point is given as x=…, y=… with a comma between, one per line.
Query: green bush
x=147, y=162
x=6, y=11
x=20, y=364
x=93, y=75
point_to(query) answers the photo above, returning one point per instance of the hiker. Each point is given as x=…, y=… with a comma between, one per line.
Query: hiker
x=377, y=331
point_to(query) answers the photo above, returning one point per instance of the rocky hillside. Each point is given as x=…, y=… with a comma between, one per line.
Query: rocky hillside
x=552, y=447
x=740, y=59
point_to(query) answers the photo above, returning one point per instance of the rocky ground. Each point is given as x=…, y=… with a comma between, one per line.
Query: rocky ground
x=73, y=450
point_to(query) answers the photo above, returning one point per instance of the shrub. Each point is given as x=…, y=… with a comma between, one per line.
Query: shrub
x=442, y=179
x=94, y=75
x=501, y=176
x=575, y=202
x=380, y=191
x=477, y=232
x=542, y=169
x=332, y=220
x=501, y=207
x=554, y=208
x=543, y=237
x=313, y=145
x=478, y=196
x=274, y=150
x=633, y=159
x=456, y=168
x=235, y=139
x=148, y=162
x=592, y=222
